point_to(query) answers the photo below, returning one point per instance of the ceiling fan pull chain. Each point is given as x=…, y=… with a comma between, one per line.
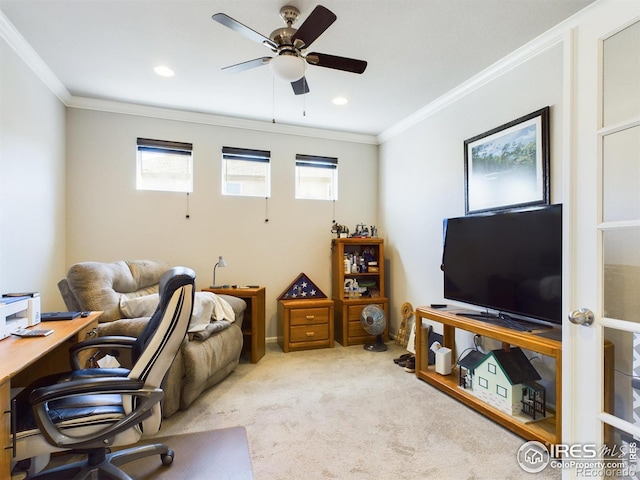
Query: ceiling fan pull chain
x=304, y=97
x=273, y=97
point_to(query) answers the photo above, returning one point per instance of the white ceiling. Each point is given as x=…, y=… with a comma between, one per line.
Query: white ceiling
x=417, y=50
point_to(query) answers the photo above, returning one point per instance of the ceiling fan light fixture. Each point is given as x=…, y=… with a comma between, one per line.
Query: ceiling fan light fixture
x=287, y=67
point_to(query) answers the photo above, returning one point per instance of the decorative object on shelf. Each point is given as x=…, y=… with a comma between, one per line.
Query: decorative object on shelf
x=504, y=379
x=534, y=400
x=362, y=231
x=302, y=289
x=221, y=263
x=466, y=365
x=406, y=311
x=374, y=322
x=508, y=166
x=443, y=358
x=341, y=231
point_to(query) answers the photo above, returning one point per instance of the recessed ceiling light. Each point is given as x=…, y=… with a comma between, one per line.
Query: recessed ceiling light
x=340, y=101
x=163, y=71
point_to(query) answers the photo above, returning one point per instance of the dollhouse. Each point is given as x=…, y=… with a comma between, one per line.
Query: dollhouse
x=504, y=379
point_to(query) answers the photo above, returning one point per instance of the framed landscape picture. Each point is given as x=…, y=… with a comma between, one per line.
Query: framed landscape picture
x=508, y=167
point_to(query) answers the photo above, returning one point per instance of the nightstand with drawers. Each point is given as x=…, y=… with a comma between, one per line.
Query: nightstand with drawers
x=305, y=324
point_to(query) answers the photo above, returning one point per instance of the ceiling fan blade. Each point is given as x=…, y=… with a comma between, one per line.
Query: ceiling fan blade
x=241, y=67
x=339, y=63
x=300, y=87
x=235, y=25
x=320, y=19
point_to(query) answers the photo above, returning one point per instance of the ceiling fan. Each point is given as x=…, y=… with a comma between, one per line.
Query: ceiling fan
x=290, y=45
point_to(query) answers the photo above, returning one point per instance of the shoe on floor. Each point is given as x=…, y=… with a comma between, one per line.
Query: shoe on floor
x=401, y=358
x=411, y=365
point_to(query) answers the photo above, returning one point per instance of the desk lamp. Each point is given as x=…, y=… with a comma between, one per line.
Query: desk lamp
x=221, y=263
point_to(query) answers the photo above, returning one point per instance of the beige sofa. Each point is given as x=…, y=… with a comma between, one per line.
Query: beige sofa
x=200, y=363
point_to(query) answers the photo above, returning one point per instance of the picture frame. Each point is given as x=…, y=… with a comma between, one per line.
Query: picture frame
x=508, y=167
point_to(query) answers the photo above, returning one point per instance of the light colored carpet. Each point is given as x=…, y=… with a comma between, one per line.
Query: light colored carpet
x=346, y=413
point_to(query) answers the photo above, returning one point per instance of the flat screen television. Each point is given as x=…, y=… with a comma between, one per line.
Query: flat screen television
x=507, y=262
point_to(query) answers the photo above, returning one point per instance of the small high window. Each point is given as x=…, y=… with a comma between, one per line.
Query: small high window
x=316, y=177
x=165, y=166
x=246, y=172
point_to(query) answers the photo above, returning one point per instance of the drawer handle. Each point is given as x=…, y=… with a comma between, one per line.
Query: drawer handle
x=311, y=334
x=310, y=317
x=92, y=333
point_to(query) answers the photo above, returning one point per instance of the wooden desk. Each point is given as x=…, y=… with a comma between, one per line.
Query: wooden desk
x=253, y=328
x=26, y=359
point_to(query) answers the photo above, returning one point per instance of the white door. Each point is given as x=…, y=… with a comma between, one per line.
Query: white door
x=602, y=217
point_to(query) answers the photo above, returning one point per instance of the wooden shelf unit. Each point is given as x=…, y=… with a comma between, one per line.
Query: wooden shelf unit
x=545, y=431
x=348, y=330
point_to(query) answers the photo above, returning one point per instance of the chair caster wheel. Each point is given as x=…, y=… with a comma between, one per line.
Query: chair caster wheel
x=167, y=458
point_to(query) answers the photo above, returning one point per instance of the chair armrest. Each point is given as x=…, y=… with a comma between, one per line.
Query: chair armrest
x=84, y=386
x=113, y=342
x=40, y=398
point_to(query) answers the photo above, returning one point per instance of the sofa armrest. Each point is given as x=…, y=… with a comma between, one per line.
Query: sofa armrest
x=238, y=305
x=127, y=327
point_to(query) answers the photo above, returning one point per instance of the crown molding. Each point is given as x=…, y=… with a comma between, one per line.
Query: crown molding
x=555, y=36
x=17, y=42
x=125, y=108
x=504, y=65
x=552, y=37
x=29, y=56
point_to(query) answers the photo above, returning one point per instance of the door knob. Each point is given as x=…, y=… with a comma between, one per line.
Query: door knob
x=582, y=316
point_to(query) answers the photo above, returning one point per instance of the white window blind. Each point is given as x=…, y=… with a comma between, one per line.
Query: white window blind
x=163, y=165
x=316, y=177
x=246, y=172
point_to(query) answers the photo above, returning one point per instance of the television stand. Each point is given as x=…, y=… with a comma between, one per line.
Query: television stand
x=548, y=430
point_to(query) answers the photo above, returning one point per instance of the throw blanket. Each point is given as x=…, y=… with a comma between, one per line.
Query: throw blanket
x=208, y=330
x=210, y=312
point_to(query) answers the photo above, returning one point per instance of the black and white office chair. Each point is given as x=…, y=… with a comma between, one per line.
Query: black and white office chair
x=92, y=410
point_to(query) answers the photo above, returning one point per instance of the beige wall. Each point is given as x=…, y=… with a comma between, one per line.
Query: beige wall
x=428, y=160
x=32, y=182
x=108, y=219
